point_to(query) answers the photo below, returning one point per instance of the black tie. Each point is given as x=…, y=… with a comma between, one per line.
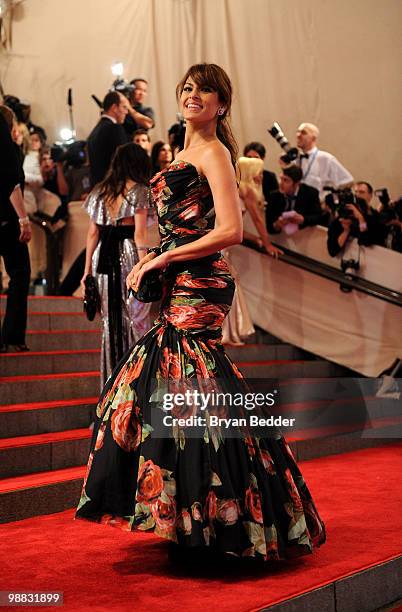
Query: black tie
x=304, y=156
x=290, y=202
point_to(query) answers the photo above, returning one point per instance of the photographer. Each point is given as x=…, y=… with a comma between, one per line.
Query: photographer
x=390, y=214
x=54, y=179
x=139, y=116
x=320, y=168
x=354, y=225
x=77, y=173
x=15, y=233
x=294, y=206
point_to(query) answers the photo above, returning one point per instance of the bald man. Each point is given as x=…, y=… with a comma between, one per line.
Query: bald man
x=319, y=168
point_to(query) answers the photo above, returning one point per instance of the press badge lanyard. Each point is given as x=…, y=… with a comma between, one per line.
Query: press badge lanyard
x=314, y=155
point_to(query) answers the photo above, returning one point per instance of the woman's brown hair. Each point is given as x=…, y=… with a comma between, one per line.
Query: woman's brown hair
x=216, y=78
x=130, y=161
x=8, y=115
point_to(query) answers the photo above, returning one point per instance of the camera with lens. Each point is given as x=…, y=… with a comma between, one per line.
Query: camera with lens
x=338, y=199
x=388, y=212
x=123, y=87
x=73, y=153
x=291, y=153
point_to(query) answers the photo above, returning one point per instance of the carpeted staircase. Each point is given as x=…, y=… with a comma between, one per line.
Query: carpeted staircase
x=48, y=397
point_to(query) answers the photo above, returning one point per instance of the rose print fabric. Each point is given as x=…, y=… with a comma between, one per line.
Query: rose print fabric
x=243, y=496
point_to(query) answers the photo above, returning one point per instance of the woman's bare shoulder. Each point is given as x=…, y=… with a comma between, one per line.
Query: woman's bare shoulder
x=215, y=155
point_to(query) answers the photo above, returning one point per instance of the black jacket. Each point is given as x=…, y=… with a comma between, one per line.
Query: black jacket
x=102, y=143
x=307, y=203
x=269, y=183
x=374, y=234
x=11, y=173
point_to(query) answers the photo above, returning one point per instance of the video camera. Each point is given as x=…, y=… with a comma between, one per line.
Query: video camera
x=72, y=153
x=292, y=153
x=338, y=199
x=123, y=87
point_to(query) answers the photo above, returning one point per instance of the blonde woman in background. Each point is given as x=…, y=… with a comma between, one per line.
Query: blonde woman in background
x=238, y=324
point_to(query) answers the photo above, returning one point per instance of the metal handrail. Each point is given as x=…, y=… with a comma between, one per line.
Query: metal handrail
x=325, y=271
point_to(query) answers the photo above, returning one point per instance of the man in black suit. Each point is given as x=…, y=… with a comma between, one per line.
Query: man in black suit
x=295, y=205
x=107, y=135
x=15, y=232
x=269, y=180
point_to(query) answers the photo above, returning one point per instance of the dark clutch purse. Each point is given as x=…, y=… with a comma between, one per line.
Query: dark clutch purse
x=92, y=300
x=151, y=288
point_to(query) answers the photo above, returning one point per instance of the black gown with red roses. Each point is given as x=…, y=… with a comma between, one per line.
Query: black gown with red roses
x=240, y=495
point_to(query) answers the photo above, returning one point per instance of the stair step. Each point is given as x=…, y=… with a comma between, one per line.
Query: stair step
x=49, y=303
x=68, y=339
x=42, y=452
x=284, y=369
x=48, y=387
x=49, y=362
x=51, y=491
x=51, y=321
x=42, y=493
x=266, y=352
x=42, y=417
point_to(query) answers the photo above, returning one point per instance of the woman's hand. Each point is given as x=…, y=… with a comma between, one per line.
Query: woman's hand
x=25, y=232
x=346, y=223
x=136, y=269
x=355, y=212
x=82, y=284
x=272, y=250
x=134, y=279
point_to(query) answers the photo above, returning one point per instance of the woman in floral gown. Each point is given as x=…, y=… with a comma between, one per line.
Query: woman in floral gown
x=242, y=496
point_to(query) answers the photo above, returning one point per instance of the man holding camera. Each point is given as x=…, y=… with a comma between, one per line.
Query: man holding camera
x=139, y=116
x=355, y=224
x=295, y=206
x=107, y=135
x=320, y=168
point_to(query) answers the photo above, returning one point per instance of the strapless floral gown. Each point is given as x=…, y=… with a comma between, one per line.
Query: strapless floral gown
x=239, y=495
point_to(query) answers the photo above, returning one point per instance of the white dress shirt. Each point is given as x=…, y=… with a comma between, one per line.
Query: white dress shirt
x=31, y=167
x=322, y=169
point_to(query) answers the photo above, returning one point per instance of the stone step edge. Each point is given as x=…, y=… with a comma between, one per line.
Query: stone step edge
x=28, y=354
x=48, y=404
x=39, y=377
x=46, y=297
x=41, y=479
x=46, y=332
x=45, y=438
x=47, y=313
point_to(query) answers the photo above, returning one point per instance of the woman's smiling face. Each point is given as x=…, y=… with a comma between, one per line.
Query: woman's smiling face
x=198, y=103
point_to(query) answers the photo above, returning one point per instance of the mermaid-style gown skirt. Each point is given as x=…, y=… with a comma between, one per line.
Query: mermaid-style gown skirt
x=239, y=495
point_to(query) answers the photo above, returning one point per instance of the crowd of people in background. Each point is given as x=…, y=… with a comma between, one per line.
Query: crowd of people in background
x=92, y=171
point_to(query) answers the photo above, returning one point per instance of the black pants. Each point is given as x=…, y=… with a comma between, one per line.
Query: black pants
x=16, y=262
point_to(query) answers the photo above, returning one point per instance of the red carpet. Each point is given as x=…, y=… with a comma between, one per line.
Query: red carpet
x=100, y=568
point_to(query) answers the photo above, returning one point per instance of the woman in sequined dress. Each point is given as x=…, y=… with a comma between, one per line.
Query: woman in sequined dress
x=117, y=238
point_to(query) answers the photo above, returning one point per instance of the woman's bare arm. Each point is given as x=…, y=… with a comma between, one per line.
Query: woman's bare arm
x=141, y=232
x=92, y=241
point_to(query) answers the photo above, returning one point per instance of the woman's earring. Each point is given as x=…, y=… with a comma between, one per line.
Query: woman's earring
x=221, y=111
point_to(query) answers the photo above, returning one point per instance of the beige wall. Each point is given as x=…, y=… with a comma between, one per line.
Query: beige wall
x=332, y=62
